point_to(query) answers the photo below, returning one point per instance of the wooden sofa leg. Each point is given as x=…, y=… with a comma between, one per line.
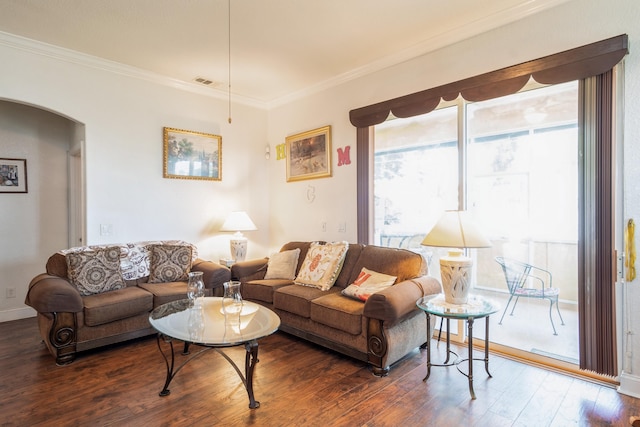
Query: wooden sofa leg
x=62, y=337
x=377, y=348
x=380, y=372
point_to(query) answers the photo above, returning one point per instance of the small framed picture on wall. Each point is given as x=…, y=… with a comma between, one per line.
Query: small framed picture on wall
x=308, y=154
x=192, y=155
x=13, y=175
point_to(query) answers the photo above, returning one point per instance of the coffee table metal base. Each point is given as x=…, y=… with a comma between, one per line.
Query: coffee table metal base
x=251, y=358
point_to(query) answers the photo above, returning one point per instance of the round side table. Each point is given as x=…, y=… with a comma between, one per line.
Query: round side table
x=475, y=308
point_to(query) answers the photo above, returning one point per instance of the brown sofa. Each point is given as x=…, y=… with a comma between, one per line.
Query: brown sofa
x=379, y=331
x=70, y=322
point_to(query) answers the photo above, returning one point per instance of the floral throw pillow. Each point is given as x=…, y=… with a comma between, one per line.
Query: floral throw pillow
x=322, y=265
x=367, y=283
x=169, y=263
x=282, y=265
x=96, y=271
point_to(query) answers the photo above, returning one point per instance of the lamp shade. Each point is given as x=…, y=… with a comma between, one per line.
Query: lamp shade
x=455, y=230
x=238, y=221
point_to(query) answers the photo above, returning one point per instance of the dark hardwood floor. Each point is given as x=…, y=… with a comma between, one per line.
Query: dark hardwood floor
x=297, y=383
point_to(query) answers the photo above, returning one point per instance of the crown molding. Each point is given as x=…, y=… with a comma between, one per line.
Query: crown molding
x=67, y=55
x=431, y=44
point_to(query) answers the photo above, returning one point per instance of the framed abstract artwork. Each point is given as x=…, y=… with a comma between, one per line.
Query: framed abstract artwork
x=308, y=154
x=13, y=175
x=192, y=155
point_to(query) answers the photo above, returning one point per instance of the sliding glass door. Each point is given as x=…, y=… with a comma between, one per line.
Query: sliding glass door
x=512, y=162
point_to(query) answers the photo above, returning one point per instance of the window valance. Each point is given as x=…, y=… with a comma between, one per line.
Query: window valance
x=590, y=60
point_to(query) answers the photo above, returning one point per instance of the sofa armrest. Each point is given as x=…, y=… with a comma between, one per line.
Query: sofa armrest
x=53, y=294
x=392, y=304
x=214, y=274
x=246, y=271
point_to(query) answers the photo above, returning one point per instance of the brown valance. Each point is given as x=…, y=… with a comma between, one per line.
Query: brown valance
x=581, y=62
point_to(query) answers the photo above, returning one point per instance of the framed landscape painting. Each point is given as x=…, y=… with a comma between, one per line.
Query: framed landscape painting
x=13, y=175
x=192, y=155
x=308, y=154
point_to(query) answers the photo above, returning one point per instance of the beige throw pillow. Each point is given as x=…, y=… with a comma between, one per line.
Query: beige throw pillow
x=367, y=283
x=282, y=265
x=95, y=271
x=169, y=263
x=322, y=265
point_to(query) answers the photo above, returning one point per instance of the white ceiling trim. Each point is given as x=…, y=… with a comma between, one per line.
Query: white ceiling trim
x=78, y=58
x=432, y=44
x=447, y=38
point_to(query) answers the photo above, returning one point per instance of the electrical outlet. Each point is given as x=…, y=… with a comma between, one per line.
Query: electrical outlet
x=106, y=229
x=11, y=292
x=342, y=227
x=324, y=226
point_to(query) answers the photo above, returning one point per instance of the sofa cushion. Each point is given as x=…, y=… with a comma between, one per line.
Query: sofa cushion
x=282, y=265
x=136, y=258
x=115, y=305
x=169, y=263
x=165, y=292
x=297, y=299
x=262, y=290
x=322, y=264
x=96, y=271
x=350, y=260
x=367, y=283
x=338, y=312
x=304, y=248
x=402, y=263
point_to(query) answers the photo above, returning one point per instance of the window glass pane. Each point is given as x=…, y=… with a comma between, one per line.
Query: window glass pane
x=415, y=176
x=522, y=189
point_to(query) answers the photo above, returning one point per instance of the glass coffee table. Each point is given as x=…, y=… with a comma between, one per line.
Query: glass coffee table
x=475, y=308
x=207, y=325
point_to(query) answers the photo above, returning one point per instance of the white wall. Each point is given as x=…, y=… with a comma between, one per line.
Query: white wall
x=569, y=25
x=124, y=118
x=32, y=225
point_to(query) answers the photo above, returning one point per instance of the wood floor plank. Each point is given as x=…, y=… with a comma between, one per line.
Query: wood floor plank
x=296, y=382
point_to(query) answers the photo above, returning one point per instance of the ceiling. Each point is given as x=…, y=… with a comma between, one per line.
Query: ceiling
x=279, y=49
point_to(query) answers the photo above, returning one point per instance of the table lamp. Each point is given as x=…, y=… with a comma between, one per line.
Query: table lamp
x=238, y=221
x=454, y=230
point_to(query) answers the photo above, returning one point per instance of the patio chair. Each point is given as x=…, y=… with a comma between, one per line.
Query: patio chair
x=528, y=281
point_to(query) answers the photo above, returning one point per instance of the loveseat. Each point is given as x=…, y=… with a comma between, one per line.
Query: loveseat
x=378, y=328
x=93, y=296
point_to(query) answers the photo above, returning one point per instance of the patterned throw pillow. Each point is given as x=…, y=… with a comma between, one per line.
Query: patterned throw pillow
x=95, y=271
x=282, y=265
x=322, y=265
x=367, y=283
x=169, y=263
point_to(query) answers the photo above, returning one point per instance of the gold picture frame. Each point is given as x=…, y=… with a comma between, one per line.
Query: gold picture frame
x=308, y=154
x=192, y=155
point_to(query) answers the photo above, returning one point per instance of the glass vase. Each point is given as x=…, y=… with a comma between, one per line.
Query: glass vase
x=195, y=287
x=232, y=299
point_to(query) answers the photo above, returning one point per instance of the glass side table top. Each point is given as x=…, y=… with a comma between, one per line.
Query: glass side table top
x=476, y=307
x=207, y=324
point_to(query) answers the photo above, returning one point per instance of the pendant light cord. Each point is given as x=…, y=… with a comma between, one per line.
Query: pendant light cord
x=229, y=52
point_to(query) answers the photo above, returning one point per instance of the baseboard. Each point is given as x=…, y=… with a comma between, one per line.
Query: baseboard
x=17, y=314
x=629, y=385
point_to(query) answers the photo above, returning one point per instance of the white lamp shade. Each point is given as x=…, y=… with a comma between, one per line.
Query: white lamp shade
x=238, y=221
x=455, y=230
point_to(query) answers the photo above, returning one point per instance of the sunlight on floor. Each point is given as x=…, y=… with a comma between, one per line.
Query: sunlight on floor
x=529, y=328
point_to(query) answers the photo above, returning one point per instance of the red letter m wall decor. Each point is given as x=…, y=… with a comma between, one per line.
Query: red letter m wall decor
x=343, y=156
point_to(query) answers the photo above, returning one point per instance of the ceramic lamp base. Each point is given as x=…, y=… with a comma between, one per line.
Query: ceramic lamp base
x=456, y=278
x=238, y=249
